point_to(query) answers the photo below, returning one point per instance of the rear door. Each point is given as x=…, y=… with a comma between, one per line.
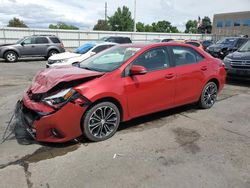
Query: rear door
x=41, y=45
x=191, y=71
x=154, y=90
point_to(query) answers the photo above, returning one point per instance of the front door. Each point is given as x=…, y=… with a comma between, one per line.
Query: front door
x=154, y=90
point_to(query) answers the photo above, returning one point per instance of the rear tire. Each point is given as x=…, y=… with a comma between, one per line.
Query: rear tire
x=208, y=95
x=10, y=56
x=52, y=52
x=101, y=121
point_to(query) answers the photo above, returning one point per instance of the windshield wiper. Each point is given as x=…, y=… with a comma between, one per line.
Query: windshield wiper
x=88, y=68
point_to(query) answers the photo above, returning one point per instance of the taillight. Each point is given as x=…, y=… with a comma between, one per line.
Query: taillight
x=62, y=45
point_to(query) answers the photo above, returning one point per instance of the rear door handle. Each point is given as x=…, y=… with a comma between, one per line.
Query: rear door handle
x=204, y=68
x=169, y=76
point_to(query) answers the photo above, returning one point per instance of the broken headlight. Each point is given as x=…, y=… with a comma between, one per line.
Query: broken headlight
x=59, y=98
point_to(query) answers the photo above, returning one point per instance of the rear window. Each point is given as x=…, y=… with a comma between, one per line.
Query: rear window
x=193, y=43
x=55, y=39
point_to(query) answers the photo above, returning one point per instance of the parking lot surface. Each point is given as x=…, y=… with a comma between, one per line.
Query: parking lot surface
x=182, y=147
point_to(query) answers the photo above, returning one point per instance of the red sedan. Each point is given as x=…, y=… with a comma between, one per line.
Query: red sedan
x=118, y=84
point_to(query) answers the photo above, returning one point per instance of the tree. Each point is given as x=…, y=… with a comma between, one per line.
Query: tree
x=121, y=20
x=16, y=22
x=140, y=27
x=206, y=26
x=102, y=25
x=62, y=25
x=191, y=26
x=164, y=27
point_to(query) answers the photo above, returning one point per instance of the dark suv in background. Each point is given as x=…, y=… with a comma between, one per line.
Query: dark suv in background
x=237, y=64
x=225, y=46
x=32, y=46
x=116, y=39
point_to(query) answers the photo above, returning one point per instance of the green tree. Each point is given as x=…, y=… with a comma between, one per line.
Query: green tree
x=148, y=28
x=16, y=22
x=121, y=20
x=164, y=27
x=62, y=25
x=206, y=26
x=140, y=27
x=191, y=26
x=102, y=25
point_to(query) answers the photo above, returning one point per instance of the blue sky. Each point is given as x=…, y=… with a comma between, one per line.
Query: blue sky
x=85, y=13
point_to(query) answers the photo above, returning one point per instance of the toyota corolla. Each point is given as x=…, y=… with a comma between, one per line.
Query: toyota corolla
x=116, y=85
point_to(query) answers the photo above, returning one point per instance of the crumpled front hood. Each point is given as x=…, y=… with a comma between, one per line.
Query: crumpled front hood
x=65, y=55
x=49, y=78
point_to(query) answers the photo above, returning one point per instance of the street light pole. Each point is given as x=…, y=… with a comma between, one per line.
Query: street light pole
x=135, y=16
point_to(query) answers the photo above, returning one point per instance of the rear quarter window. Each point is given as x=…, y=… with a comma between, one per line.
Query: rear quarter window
x=55, y=39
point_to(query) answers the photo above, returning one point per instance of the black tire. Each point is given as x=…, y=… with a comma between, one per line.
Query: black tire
x=97, y=128
x=208, y=95
x=10, y=56
x=52, y=52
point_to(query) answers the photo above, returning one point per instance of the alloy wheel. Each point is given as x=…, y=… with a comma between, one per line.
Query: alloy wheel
x=103, y=121
x=210, y=94
x=11, y=57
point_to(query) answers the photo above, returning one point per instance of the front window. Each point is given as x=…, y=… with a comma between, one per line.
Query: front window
x=245, y=47
x=229, y=41
x=110, y=59
x=84, y=48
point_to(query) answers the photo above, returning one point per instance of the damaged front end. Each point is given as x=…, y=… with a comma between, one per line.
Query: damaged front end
x=55, y=118
x=52, y=113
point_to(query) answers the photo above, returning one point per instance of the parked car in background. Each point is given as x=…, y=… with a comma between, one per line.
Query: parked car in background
x=195, y=43
x=83, y=52
x=116, y=39
x=206, y=43
x=237, y=64
x=225, y=46
x=115, y=85
x=32, y=46
x=161, y=40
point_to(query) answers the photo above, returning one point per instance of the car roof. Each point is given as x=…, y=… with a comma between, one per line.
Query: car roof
x=105, y=43
x=151, y=45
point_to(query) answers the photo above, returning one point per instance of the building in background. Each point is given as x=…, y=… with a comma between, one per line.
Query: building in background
x=232, y=24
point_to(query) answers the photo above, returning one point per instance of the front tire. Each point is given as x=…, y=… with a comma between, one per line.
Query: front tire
x=101, y=121
x=10, y=56
x=208, y=96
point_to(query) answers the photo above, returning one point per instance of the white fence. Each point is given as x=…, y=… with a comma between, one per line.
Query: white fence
x=74, y=38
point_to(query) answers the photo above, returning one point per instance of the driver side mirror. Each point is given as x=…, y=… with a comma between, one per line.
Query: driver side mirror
x=137, y=70
x=22, y=43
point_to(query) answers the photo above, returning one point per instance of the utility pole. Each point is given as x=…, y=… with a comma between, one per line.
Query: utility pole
x=106, y=9
x=135, y=16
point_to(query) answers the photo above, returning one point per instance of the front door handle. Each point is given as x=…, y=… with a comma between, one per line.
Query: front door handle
x=169, y=76
x=204, y=68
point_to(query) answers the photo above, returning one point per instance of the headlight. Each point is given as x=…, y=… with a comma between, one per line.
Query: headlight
x=59, y=98
x=62, y=61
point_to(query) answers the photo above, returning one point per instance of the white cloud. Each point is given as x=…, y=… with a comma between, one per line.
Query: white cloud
x=85, y=13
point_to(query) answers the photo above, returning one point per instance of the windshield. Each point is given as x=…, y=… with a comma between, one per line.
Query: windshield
x=227, y=41
x=245, y=47
x=84, y=48
x=110, y=59
x=20, y=40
